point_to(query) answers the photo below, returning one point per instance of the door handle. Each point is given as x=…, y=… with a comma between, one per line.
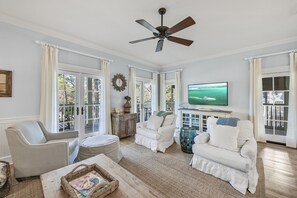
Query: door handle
x=77, y=110
x=82, y=110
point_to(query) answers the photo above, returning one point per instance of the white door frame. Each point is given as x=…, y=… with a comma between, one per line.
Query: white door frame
x=271, y=73
x=80, y=73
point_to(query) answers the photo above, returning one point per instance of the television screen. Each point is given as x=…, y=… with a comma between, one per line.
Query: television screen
x=208, y=94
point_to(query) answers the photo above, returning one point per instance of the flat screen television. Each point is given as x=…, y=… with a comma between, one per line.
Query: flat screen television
x=208, y=94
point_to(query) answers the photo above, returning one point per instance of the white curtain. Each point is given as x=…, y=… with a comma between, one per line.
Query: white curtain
x=178, y=96
x=105, y=118
x=162, y=92
x=49, y=89
x=132, y=88
x=155, y=94
x=291, y=138
x=256, y=114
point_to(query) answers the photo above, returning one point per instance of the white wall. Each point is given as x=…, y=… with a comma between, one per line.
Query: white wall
x=19, y=53
x=232, y=69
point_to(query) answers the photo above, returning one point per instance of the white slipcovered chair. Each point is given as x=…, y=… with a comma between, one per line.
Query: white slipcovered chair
x=159, y=139
x=237, y=167
x=35, y=151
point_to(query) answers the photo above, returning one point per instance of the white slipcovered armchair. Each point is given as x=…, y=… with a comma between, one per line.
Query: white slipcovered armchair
x=35, y=151
x=236, y=167
x=159, y=139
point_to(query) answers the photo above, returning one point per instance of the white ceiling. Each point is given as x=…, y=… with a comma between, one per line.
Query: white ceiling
x=222, y=26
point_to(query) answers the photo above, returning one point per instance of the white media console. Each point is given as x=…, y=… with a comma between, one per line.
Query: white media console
x=197, y=118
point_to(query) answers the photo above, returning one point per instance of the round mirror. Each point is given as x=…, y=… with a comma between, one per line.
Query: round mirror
x=119, y=82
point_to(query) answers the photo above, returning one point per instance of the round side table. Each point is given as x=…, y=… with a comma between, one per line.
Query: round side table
x=187, y=135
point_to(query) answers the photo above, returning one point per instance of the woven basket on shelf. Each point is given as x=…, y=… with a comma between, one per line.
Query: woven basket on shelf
x=5, y=189
x=97, y=192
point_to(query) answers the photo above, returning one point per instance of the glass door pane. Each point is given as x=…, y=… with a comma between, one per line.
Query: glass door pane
x=143, y=100
x=275, y=101
x=92, y=99
x=67, y=84
x=147, y=100
x=139, y=101
x=170, y=93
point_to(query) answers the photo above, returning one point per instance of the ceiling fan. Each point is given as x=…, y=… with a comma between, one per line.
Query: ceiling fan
x=163, y=32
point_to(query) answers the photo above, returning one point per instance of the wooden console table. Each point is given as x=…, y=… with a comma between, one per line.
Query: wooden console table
x=123, y=124
x=130, y=185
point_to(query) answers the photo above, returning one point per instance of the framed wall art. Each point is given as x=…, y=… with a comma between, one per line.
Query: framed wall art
x=5, y=83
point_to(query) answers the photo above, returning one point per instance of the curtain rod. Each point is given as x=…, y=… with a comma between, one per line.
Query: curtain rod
x=171, y=71
x=70, y=50
x=143, y=69
x=272, y=54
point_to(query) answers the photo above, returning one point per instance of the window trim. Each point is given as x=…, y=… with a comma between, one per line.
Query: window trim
x=276, y=71
x=282, y=71
x=79, y=69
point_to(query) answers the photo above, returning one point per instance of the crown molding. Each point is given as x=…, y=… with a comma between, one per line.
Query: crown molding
x=70, y=38
x=85, y=43
x=232, y=52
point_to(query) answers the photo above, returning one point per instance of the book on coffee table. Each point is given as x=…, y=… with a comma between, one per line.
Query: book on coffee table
x=84, y=184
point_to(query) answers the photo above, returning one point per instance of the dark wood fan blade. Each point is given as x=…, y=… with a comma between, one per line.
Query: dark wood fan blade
x=159, y=45
x=187, y=22
x=147, y=25
x=140, y=40
x=180, y=40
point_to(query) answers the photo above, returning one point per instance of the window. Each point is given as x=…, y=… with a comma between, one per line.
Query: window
x=276, y=101
x=170, y=93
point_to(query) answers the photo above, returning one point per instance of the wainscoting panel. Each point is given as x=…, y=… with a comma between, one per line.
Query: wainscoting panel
x=4, y=124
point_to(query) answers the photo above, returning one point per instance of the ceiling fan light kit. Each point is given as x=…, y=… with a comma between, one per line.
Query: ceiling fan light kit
x=163, y=32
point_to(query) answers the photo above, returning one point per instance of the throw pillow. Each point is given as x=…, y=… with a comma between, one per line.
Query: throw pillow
x=154, y=122
x=227, y=121
x=169, y=119
x=245, y=132
x=164, y=114
x=224, y=137
x=210, y=121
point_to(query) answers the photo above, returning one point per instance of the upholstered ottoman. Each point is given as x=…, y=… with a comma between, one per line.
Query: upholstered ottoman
x=106, y=144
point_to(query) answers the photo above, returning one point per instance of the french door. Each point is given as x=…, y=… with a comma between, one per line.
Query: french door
x=143, y=99
x=275, y=102
x=79, y=102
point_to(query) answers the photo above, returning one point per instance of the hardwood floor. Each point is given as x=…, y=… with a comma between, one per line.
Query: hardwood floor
x=280, y=167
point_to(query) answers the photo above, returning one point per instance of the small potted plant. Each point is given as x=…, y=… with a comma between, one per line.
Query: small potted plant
x=127, y=105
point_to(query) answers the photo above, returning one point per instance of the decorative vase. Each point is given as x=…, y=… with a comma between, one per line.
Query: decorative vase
x=187, y=135
x=127, y=107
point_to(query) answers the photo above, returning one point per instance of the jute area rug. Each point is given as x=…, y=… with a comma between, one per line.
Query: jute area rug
x=171, y=174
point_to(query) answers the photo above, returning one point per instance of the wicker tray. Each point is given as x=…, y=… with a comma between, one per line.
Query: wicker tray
x=97, y=192
x=5, y=189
